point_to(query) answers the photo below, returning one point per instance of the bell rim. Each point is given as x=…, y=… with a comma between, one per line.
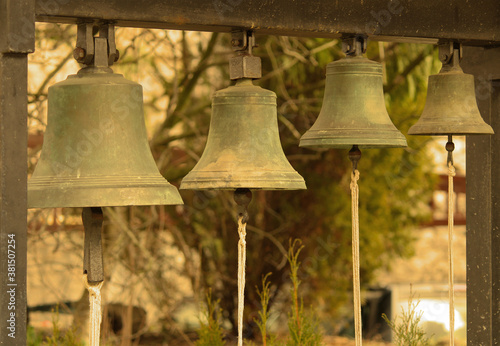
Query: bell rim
x=116, y=197
x=326, y=144
x=216, y=184
x=224, y=180
x=430, y=130
x=331, y=139
x=64, y=191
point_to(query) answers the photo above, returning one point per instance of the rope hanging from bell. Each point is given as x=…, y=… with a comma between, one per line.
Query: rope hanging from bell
x=450, y=146
x=242, y=197
x=355, y=156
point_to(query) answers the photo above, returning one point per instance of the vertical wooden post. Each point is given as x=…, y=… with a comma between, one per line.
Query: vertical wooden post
x=17, y=37
x=483, y=204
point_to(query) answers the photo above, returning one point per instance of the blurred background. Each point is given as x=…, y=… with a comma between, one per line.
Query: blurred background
x=161, y=261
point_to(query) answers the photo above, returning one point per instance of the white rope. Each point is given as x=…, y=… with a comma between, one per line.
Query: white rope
x=95, y=315
x=355, y=256
x=451, y=205
x=242, y=254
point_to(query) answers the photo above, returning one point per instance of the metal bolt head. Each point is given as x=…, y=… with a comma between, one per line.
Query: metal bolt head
x=79, y=54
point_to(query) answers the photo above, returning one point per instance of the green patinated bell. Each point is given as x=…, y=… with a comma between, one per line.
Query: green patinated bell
x=243, y=148
x=95, y=150
x=450, y=108
x=353, y=111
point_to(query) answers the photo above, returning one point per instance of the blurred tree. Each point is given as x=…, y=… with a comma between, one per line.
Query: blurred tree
x=179, y=72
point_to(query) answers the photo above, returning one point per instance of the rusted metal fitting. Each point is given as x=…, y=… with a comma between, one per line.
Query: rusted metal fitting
x=354, y=45
x=244, y=65
x=79, y=54
x=243, y=197
x=450, y=54
x=86, y=46
x=354, y=156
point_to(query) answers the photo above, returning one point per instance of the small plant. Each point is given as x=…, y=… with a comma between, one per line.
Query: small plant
x=304, y=329
x=210, y=333
x=60, y=337
x=408, y=332
x=267, y=340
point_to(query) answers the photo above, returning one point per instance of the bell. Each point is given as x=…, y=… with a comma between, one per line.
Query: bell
x=96, y=151
x=451, y=107
x=353, y=111
x=243, y=148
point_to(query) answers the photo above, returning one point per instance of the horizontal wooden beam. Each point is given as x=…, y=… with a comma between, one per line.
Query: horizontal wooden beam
x=427, y=21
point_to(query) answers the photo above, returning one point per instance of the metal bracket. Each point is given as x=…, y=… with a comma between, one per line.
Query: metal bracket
x=243, y=41
x=92, y=218
x=244, y=65
x=87, y=51
x=450, y=54
x=354, y=45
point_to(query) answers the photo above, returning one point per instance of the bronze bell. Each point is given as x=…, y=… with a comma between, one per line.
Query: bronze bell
x=353, y=111
x=95, y=151
x=451, y=107
x=243, y=148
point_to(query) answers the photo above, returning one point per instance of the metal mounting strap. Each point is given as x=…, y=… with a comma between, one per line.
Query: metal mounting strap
x=354, y=45
x=244, y=65
x=91, y=53
x=450, y=54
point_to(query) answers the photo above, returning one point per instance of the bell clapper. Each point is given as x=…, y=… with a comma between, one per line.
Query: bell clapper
x=450, y=146
x=242, y=197
x=355, y=156
x=93, y=275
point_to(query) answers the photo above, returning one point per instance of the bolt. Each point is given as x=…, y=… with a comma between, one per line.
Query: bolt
x=117, y=55
x=79, y=54
x=236, y=42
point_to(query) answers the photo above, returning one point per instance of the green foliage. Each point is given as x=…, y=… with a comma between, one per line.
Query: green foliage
x=210, y=333
x=303, y=327
x=60, y=337
x=407, y=332
x=264, y=312
x=33, y=338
